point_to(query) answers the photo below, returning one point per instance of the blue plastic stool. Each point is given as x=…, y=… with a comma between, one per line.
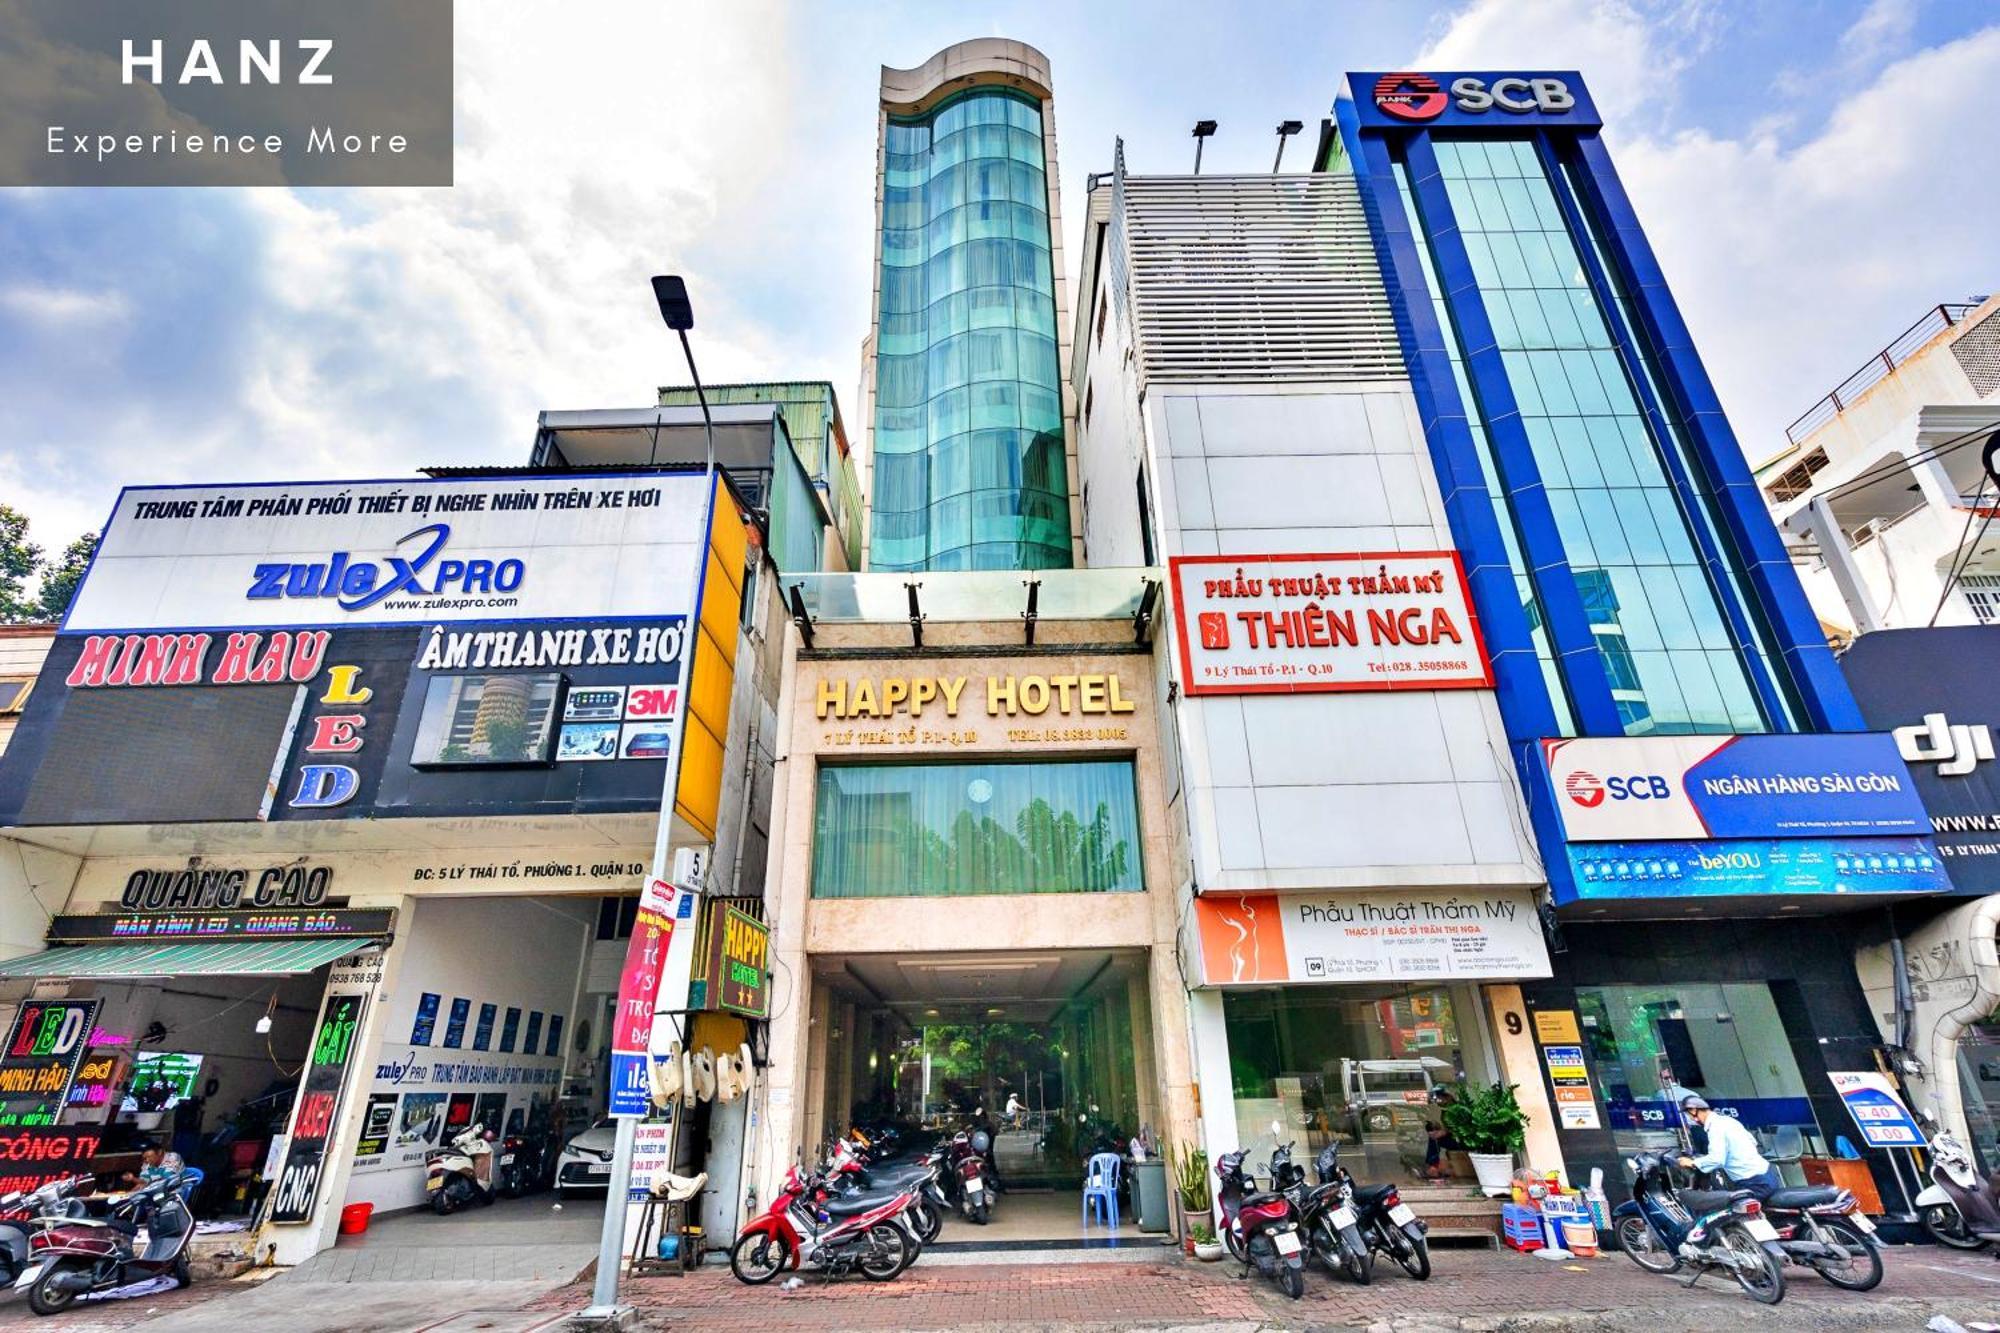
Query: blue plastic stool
x=1100, y=1188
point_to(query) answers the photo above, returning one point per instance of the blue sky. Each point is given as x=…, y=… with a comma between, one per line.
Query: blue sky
x=1813, y=175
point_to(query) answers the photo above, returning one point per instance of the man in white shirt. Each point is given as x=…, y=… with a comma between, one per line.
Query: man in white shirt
x=1732, y=1150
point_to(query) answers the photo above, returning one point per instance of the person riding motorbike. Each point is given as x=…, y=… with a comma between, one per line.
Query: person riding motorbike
x=1732, y=1150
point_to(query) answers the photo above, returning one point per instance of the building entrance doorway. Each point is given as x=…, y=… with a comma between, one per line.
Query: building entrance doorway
x=1048, y=1053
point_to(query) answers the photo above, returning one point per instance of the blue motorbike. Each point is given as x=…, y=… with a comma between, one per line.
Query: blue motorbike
x=1665, y=1230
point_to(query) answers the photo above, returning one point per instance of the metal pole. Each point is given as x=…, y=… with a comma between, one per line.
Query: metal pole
x=604, y=1307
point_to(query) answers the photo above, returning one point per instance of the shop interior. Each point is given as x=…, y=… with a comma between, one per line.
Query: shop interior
x=203, y=1066
x=1365, y=1068
x=1049, y=1051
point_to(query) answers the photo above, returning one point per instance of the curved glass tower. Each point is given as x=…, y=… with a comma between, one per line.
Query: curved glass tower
x=970, y=465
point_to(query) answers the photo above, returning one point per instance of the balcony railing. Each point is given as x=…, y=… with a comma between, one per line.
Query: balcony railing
x=1884, y=363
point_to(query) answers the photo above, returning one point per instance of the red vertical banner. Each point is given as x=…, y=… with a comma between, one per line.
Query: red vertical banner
x=638, y=996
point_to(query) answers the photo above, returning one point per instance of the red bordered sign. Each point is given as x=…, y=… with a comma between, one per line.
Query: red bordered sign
x=1319, y=623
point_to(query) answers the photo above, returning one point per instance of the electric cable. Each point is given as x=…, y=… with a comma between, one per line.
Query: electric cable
x=1962, y=561
x=1905, y=463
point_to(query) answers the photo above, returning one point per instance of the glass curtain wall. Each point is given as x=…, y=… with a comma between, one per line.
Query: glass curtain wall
x=1658, y=621
x=969, y=463
x=901, y=830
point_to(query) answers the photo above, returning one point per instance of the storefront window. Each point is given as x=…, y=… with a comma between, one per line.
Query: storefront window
x=1360, y=1066
x=1649, y=1046
x=889, y=830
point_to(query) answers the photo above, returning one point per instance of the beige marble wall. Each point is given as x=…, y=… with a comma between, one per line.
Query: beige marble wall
x=804, y=928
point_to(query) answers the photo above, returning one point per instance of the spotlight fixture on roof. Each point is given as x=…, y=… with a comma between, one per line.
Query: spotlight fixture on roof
x=1202, y=129
x=1286, y=129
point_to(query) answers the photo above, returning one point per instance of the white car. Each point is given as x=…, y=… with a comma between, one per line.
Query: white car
x=585, y=1162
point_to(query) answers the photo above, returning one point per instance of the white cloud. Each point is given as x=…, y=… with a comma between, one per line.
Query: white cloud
x=47, y=305
x=1629, y=57
x=1884, y=26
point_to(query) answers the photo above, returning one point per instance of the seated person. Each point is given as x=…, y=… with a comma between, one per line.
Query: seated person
x=152, y=1167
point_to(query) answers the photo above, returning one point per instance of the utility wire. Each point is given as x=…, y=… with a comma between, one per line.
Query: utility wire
x=1962, y=560
x=1907, y=463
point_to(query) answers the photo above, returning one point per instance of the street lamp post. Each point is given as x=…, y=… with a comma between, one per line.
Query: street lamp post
x=604, y=1310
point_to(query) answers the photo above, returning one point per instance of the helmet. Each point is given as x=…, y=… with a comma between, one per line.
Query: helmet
x=1693, y=1103
x=981, y=1141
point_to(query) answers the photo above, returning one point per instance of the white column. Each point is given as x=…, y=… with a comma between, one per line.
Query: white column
x=1210, y=1041
x=1817, y=519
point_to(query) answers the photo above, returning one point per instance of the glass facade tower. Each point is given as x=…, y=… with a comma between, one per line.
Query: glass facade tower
x=969, y=461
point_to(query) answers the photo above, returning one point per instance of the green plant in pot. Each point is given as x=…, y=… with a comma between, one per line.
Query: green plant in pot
x=1190, y=1171
x=1207, y=1247
x=1489, y=1124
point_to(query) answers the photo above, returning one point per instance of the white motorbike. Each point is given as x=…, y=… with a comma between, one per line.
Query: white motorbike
x=460, y=1173
x=1958, y=1208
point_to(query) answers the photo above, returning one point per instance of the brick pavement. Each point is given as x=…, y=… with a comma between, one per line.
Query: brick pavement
x=1471, y=1289
x=1478, y=1286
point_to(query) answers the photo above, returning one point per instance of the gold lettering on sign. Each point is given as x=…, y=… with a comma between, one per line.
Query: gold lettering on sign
x=1005, y=695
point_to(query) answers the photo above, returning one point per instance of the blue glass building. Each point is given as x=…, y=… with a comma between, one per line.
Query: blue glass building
x=968, y=446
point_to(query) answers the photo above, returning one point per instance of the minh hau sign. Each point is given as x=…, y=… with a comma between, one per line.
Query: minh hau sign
x=1283, y=624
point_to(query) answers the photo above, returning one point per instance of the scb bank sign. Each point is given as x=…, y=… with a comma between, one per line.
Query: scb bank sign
x=1497, y=100
x=329, y=554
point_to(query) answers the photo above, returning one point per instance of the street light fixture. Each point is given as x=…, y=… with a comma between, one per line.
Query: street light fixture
x=1286, y=129
x=1202, y=129
x=670, y=290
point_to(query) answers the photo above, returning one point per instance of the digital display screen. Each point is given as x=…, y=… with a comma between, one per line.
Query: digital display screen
x=195, y=752
x=487, y=719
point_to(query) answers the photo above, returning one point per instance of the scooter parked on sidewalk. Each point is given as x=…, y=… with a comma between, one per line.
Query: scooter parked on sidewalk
x=1386, y=1224
x=807, y=1225
x=1260, y=1229
x=1327, y=1220
x=1958, y=1208
x=975, y=1182
x=19, y=1211
x=461, y=1173
x=77, y=1256
x=1665, y=1230
x=851, y=1171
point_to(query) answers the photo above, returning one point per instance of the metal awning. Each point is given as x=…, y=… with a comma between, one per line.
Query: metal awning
x=217, y=958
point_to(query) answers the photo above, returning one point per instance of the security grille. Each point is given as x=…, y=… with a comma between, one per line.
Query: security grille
x=1977, y=351
x=1252, y=278
x=1982, y=594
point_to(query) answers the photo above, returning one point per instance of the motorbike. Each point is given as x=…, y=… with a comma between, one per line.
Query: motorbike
x=1665, y=1230
x=967, y=1155
x=807, y=1224
x=74, y=1256
x=1326, y=1216
x=1958, y=1208
x=1384, y=1222
x=18, y=1212
x=851, y=1171
x=1822, y=1228
x=461, y=1173
x=1260, y=1229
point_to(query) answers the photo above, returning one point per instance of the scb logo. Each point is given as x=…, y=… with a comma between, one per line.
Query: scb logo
x=1584, y=788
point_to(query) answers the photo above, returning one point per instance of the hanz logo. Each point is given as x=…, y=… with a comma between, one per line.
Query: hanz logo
x=356, y=585
x=1418, y=97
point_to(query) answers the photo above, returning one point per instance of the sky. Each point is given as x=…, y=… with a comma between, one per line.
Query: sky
x=1813, y=174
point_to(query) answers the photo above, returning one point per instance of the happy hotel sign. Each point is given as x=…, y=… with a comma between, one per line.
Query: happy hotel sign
x=1059, y=704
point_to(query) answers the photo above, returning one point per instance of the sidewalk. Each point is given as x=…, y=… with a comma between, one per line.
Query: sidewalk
x=1469, y=1290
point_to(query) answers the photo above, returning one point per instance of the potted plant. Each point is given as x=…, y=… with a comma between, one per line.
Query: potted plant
x=1191, y=1184
x=1489, y=1124
x=1206, y=1247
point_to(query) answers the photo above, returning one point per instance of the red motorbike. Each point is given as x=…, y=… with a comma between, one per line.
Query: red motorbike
x=1260, y=1229
x=807, y=1224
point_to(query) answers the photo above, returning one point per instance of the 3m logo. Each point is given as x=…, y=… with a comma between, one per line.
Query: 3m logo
x=1410, y=96
x=1584, y=789
x=1214, y=629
